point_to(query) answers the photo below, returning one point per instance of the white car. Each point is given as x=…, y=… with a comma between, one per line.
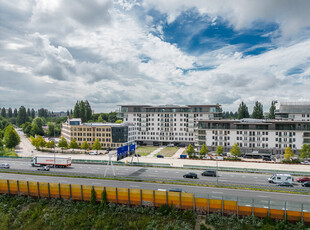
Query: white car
x=305, y=163
x=93, y=153
x=5, y=166
x=170, y=145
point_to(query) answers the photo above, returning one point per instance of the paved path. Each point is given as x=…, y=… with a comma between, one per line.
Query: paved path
x=152, y=154
x=178, y=153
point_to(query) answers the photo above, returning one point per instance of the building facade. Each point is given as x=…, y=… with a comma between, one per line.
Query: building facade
x=297, y=111
x=110, y=135
x=271, y=136
x=167, y=124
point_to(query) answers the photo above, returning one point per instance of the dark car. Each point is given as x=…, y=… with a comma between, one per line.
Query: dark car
x=191, y=175
x=155, y=144
x=137, y=155
x=303, y=179
x=209, y=173
x=285, y=184
x=306, y=184
x=44, y=168
x=175, y=190
x=160, y=156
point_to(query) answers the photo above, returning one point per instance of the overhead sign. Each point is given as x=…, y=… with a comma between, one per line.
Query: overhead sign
x=123, y=151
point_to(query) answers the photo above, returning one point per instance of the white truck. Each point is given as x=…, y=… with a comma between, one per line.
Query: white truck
x=60, y=162
x=279, y=177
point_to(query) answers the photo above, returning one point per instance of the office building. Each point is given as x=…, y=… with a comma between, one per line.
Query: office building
x=298, y=111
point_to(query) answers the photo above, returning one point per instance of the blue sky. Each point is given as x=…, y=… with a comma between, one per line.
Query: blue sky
x=153, y=52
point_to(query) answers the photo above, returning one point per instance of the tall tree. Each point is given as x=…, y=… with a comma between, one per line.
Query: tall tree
x=26, y=127
x=272, y=110
x=21, y=116
x=243, y=111
x=3, y=112
x=235, y=150
x=203, y=151
x=50, y=129
x=190, y=151
x=82, y=111
x=96, y=145
x=73, y=144
x=10, y=112
x=28, y=112
x=85, y=146
x=36, y=130
x=288, y=153
x=33, y=113
x=76, y=110
x=88, y=111
x=68, y=113
x=15, y=113
x=100, y=119
x=258, y=111
x=304, y=151
x=50, y=144
x=219, y=150
x=62, y=143
x=38, y=142
x=11, y=138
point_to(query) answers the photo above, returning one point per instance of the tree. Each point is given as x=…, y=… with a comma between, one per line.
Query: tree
x=100, y=119
x=272, y=110
x=62, y=143
x=15, y=113
x=33, y=113
x=21, y=116
x=85, y=146
x=112, y=117
x=203, y=151
x=50, y=129
x=10, y=112
x=3, y=112
x=82, y=111
x=11, y=138
x=235, y=150
x=50, y=144
x=304, y=151
x=38, y=142
x=28, y=112
x=243, y=111
x=73, y=144
x=88, y=111
x=97, y=145
x=190, y=150
x=219, y=150
x=68, y=113
x=26, y=128
x=258, y=111
x=76, y=110
x=119, y=121
x=93, y=197
x=36, y=130
x=288, y=153
x=1, y=143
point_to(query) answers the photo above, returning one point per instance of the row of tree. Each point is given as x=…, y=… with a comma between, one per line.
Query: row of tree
x=82, y=110
x=258, y=112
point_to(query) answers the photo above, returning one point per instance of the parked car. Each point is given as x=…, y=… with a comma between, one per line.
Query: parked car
x=180, y=145
x=209, y=173
x=155, y=144
x=170, y=145
x=305, y=163
x=285, y=184
x=44, y=168
x=5, y=166
x=303, y=179
x=190, y=175
x=306, y=184
x=93, y=153
x=160, y=156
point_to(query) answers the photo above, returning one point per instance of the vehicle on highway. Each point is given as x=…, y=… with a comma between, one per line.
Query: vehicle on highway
x=305, y=163
x=137, y=155
x=44, y=168
x=162, y=190
x=209, y=173
x=160, y=156
x=190, y=175
x=175, y=190
x=306, y=184
x=279, y=177
x=60, y=162
x=285, y=184
x=5, y=165
x=303, y=179
x=93, y=153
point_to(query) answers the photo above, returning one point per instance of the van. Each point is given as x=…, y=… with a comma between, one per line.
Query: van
x=278, y=178
x=93, y=153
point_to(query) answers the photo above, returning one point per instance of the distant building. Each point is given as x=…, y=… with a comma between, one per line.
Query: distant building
x=110, y=135
x=298, y=111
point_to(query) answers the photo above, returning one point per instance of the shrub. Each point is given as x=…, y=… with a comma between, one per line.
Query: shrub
x=93, y=198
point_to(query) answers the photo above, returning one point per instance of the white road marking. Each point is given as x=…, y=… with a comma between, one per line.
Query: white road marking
x=264, y=196
x=134, y=186
x=218, y=192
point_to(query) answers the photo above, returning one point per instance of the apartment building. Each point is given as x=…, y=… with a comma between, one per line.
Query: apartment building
x=298, y=111
x=110, y=135
x=167, y=124
x=271, y=136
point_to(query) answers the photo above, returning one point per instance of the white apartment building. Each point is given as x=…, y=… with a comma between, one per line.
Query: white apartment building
x=271, y=136
x=161, y=125
x=298, y=111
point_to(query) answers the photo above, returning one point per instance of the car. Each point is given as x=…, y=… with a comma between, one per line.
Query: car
x=305, y=163
x=137, y=155
x=209, y=173
x=191, y=175
x=180, y=145
x=306, y=184
x=5, y=166
x=160, y=156
x=285, y=184
x=170, y=145
x=162, y=190
x=303, y=179
x=155, y=144
x=44, y=168
x=93, y=153
x=175, y=190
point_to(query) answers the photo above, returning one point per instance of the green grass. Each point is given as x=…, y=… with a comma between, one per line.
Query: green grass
x=145, y=150
x=8, y=153
x=168, y=151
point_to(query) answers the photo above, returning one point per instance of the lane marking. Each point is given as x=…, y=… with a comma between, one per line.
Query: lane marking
x=217, y=192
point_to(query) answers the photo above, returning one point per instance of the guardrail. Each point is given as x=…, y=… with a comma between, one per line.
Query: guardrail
x=290, y=211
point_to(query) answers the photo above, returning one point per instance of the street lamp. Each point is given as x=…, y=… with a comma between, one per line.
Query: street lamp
x=54, y=147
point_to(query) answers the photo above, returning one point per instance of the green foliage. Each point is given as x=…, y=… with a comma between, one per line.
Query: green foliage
x=73, y=144
x=258, y=112
x=235, y=150
x=203, y=151
x=42, y=112
x=1, y=143
x=93, y=197
x=36, y=130
x=304, y=151
x=3, y=112
x=85, y=145
x=50, y=129
x=50, y=144
x=119, y=121
x=10, y=112
x=105, y=117
x=11, y=138
x=26, y=128
x=272, y=110
x=38, y=142
x=15, y=113
x=288, y=153
x=104, y=199
x=243, y=111
x=96, y=145
x=62, y=143
x=82, y=110
x=219, y=150
x=100, y=119
x=21, y=116
x=190, y=151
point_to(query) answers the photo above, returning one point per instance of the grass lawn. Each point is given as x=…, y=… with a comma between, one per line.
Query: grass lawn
x=145, y=150
x=168, y=151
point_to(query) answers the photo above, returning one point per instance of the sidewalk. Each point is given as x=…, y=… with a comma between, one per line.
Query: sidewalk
x=152, y=154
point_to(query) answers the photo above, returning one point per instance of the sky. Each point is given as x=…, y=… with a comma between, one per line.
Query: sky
x=53, y=53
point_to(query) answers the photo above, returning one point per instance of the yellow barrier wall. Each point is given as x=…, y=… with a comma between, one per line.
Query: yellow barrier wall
x=201, y=204
x=87, y=192
x=111, y=194
x=3, y=186
x=230, y=207
x=147, y=197
x=54, y=190
x=135, y=196
x=43, y=188
x=245, y=210
x=160, y=197
x=23, y=188
x=33, y=188
x=76, y=192
x=306, y=217
x=122, y=195
x=13, y=187
x=293, y=215
x=277, y=214
x=98, y=190
x=187, y=200
x=215, y=205
x=261, y=212
x=64, y=191
x=174, y=199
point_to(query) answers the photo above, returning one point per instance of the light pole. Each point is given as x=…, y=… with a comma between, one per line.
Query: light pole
x=217, y=169
x=54, y=147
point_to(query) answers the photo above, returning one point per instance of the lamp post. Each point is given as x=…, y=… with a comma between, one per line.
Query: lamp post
x=54, y=147
x=217, y=169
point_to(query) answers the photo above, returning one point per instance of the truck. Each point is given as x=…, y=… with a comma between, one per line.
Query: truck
x=60, y=162
x=279, y=177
